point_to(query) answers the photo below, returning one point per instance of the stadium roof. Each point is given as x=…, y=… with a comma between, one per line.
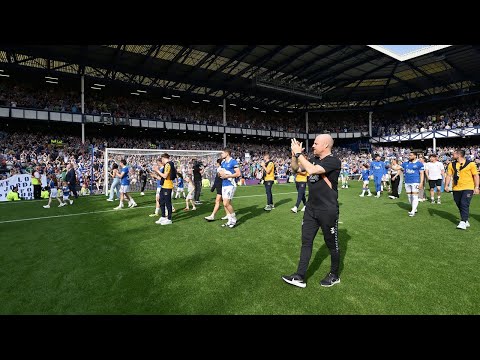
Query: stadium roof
x=283, y=77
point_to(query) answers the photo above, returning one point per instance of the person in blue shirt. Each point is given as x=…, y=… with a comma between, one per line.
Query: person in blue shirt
x=414, y=175
x=377, y=169
x=365, y=177
x=125, y=185
x=344, y=174
x=229, y=171
x=180, y=186
x=155, y=174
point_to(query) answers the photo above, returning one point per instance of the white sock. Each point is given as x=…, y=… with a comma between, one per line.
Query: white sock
x=363, y=192
x=369, y=192
x=409, y=198
x=438, y=198
x=414, y=203
x=157, y=210
x=233, y=217
x=381, y=188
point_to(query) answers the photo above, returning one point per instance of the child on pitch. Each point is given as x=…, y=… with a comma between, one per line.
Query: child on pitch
x=365, y=177
x=191, y=190
x=180, y=186
x=66, y=193
x=53, y=184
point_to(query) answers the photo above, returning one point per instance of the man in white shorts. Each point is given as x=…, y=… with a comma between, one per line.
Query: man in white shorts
x=125, y=185
x=228, y=172
x=414, y=176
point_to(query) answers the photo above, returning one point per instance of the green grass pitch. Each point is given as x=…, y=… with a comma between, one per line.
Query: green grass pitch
x=89, y=259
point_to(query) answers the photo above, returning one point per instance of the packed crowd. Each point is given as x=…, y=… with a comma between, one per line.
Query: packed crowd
x=24, y=153
x=146, y=107
x=455, y=116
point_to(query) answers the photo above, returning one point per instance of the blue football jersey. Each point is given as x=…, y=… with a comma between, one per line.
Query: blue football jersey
x=412, y=171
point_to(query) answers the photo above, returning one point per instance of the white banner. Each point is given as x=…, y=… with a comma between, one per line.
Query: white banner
x=24, y=183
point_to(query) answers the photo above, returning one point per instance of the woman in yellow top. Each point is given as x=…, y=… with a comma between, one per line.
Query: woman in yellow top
x=465, y=183
x=269, y=178
x=301, y=184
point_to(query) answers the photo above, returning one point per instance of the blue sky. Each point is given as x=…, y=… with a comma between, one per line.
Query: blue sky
x=403, y=49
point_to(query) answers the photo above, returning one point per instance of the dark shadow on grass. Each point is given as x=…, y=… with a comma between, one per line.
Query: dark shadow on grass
x=323, y=253
x=404, y=205
x=443, y=214
x=245, y=214
x=281, y=202
x=475, y=216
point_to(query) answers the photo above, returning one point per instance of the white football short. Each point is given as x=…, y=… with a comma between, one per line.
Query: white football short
x=124, y=189
x=412, y=188
x=228, y=192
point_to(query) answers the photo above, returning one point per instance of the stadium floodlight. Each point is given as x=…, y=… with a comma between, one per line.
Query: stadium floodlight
x=244, y=109
x=195, y=102
x=1, y=70
x=5, y=75
x=101, y=85
x=290, y=111
x=134, y=93
x=142, y=91
x=167, y=98
x=233, y=105
x=175, y=96
x=206, y=100
x=51, y=82
x=255, y=108
x=264, y=111
x=95, y=88
x=276, y=111
x=220, y=105
x=51, y=78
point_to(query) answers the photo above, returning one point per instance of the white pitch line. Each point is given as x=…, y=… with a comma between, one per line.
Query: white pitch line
x=103, y=211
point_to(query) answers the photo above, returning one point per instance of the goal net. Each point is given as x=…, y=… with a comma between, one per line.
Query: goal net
x=142, y=160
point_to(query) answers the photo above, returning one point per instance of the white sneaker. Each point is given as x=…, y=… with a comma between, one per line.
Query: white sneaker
x=369, y=194
x=439, y=202
x=46, y=206
x=209, y=218
x=134, y=205
x=71, y=202
x=303, y=209
x=161, y=220
x=166, y=222
x=462, y=225
x=110, y=199
x=142, y=193
x=118, y=207
x=377, y=196
x=361, y=195
x=467, y=223
x=410, y=213
x=225, y=217
x=294, y=209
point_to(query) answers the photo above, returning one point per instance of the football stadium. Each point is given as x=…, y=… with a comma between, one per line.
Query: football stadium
x=239, y=179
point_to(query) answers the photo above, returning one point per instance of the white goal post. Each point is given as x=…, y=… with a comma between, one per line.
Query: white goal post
x=135, y=157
